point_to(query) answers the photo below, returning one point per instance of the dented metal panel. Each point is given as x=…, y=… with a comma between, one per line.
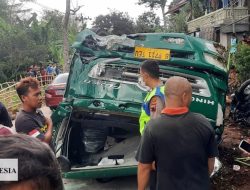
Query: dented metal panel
x=104, y=72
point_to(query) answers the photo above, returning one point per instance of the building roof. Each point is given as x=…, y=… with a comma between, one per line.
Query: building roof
x=176, y=7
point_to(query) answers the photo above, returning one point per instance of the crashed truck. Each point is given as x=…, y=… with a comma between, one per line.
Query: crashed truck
x=96, y=125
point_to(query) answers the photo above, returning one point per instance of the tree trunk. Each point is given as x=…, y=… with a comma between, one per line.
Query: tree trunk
x=248, y=5
x=192, y=10
x=65, y=38
x=164, y=18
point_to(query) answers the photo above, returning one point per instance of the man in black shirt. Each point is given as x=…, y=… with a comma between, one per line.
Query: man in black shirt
x=29, y=120
x=181, y=143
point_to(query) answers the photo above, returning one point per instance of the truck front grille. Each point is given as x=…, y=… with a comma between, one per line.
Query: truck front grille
x=128, y=73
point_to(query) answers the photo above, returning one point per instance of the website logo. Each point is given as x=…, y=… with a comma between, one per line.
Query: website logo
x=8, y=170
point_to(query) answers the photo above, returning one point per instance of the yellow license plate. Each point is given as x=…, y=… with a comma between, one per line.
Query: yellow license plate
x=151, y=53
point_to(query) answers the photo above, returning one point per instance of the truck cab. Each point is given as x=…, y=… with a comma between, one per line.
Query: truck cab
x=97, y=124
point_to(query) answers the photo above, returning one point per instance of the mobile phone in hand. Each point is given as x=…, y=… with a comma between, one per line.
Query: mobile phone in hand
x=245, y=146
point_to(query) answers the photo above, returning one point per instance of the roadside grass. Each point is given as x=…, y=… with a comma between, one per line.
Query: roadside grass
x=10, y=99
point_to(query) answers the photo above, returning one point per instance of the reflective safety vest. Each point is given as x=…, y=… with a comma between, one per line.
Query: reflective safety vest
x=145, y=110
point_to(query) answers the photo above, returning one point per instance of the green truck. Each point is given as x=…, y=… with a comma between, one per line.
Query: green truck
x=96, y=125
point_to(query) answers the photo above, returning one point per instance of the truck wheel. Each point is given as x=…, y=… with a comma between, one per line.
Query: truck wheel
x=241, y=91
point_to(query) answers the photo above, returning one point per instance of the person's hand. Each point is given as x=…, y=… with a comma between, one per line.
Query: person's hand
x=246, y=154
x=48, y=134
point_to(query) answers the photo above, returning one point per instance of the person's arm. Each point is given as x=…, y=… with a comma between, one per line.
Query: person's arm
x=143, y=175
x=29, y=126
x=211, y=165
x=48, y=134
x=145, y=157
x=212, y=148
x=156, y=106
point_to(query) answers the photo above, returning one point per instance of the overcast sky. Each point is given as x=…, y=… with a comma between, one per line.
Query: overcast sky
x=93, y=8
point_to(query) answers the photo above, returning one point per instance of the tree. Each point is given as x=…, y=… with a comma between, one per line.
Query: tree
x=242, y=60
x=157, y=4
x=3, y=9
x=147, y=22
x=27, y=41
x=52, y=27
x=178, y=22
x=198, y=8
x=65, y=37
x=20, y=45
x=18, y=51
x=103, y=22
x=66, y=32
x=115, y=22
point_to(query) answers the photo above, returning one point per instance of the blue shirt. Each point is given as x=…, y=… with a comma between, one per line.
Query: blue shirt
x=49, y=70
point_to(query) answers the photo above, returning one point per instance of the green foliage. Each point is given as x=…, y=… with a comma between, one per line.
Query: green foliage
x=198, y=10
x=178, y=22
x=3, y=8
x=153, y=3
x=147, y=22
x=25, y=41
x=17, y=51
x=115, y=22
x=156, y=4
x=242, y=60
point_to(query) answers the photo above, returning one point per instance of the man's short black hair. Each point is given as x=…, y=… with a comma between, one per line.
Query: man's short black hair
x=37, y=164
x=151, y=67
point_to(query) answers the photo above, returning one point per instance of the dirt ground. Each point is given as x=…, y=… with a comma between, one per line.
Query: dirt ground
x=227, y=178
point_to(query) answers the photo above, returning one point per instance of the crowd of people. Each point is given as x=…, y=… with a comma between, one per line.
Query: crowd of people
x=34, y=70
x=165, y=120
x=42, y=73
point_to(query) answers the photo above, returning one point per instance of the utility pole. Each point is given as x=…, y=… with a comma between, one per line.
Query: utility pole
x=65, y=37
x=232, y=13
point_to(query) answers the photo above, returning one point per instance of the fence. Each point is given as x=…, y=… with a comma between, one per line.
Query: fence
x=6, y=85
x=9, y=97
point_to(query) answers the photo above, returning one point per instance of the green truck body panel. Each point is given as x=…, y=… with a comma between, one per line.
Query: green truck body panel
x=189, y=58
x=102, y=172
